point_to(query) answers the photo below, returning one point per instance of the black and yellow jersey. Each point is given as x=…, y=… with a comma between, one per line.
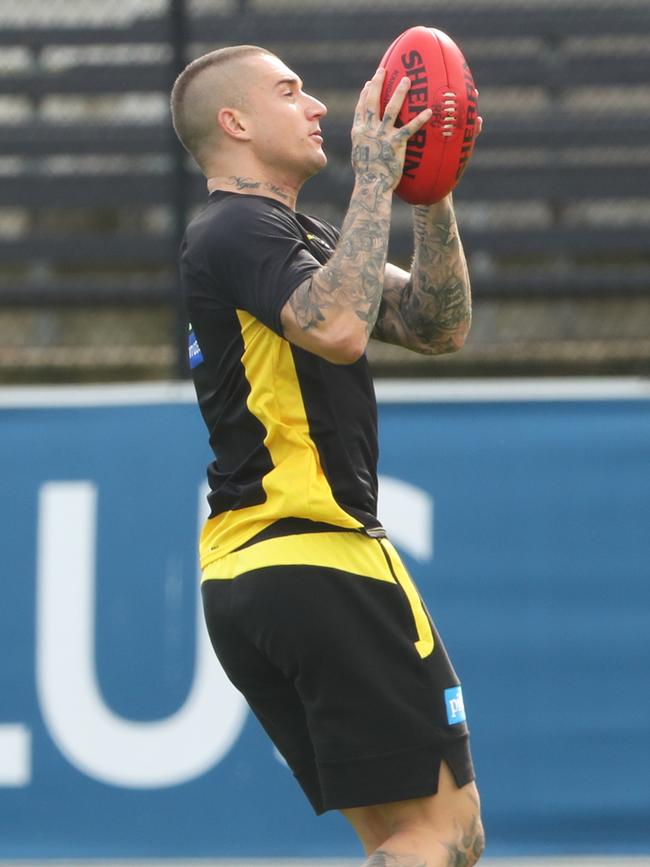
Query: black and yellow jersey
x=294, y=436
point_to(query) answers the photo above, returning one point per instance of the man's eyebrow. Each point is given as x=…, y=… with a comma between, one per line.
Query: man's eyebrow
x=289, y=80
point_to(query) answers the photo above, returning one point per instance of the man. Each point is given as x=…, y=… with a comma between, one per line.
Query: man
x=309, y=608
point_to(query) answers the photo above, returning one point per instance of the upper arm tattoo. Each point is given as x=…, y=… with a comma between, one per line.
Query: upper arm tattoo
x=305, y=307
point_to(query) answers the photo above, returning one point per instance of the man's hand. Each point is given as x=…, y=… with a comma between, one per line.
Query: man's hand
x=378, y=146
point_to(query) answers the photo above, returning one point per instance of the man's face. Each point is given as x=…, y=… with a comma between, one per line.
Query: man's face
x=284, y=121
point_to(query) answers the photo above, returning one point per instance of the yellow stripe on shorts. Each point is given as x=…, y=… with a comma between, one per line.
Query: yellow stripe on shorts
x=425, y=643
x=346, y=551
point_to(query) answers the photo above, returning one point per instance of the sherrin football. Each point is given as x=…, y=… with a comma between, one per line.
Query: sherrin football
x=438, y=154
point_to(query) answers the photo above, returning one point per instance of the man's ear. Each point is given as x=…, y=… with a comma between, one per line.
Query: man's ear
x=233, y=123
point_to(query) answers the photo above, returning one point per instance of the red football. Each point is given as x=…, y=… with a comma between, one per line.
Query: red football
x=437, y=154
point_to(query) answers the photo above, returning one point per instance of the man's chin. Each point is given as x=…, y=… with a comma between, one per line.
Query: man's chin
x=318, y=164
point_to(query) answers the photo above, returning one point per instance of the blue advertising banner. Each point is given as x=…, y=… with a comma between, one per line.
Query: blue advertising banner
x=524, y=516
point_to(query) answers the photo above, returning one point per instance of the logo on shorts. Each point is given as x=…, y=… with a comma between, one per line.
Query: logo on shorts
x=455, y=705
x=195, y=354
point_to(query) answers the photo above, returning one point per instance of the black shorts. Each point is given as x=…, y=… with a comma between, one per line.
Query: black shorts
x=340, y=662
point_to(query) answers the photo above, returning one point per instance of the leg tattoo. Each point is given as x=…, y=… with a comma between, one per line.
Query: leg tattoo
x=391, y=859
x=469, y=847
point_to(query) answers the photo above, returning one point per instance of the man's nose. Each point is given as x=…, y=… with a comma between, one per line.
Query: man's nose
x=316, y=108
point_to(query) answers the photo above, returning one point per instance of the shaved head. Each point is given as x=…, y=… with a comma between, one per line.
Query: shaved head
x=210, y=83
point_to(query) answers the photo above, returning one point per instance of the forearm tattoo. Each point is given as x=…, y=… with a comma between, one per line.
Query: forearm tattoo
x=354, y=277
x=432, y=312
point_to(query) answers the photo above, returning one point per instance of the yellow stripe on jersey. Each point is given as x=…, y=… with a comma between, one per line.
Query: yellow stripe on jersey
x=296, y=487
x=347, y=552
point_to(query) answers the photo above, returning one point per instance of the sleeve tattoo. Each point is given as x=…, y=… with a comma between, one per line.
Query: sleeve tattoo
x=353, y=279
x=354, y=275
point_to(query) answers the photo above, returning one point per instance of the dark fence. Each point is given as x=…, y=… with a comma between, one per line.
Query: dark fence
x=94, y=190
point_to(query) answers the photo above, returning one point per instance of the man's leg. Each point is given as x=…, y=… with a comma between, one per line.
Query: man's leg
x=443, y=830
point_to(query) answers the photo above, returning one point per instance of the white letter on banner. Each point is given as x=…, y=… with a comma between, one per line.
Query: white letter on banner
x=15, y=755
x=407, y=514
x=104, y=746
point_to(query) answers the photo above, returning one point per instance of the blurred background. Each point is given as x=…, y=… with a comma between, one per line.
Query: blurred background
x=94, y=191
x=515, y=475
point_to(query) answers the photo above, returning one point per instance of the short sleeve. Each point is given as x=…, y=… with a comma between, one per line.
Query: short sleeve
x=258, y=257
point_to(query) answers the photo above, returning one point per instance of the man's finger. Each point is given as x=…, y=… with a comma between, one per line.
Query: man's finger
x=397, y=99
x=417, y=123
x=361, y=103
x=374, y=91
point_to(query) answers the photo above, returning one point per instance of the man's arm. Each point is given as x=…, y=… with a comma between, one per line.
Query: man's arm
x=333, y=313
x=430, y=309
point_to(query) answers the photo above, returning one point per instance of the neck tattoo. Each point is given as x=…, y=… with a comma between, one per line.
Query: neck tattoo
x=242, y=184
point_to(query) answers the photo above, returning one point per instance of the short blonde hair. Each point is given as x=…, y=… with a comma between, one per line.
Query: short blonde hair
x=193, y=121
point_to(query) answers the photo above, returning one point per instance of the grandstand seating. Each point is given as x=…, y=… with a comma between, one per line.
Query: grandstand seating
x=94, y=190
